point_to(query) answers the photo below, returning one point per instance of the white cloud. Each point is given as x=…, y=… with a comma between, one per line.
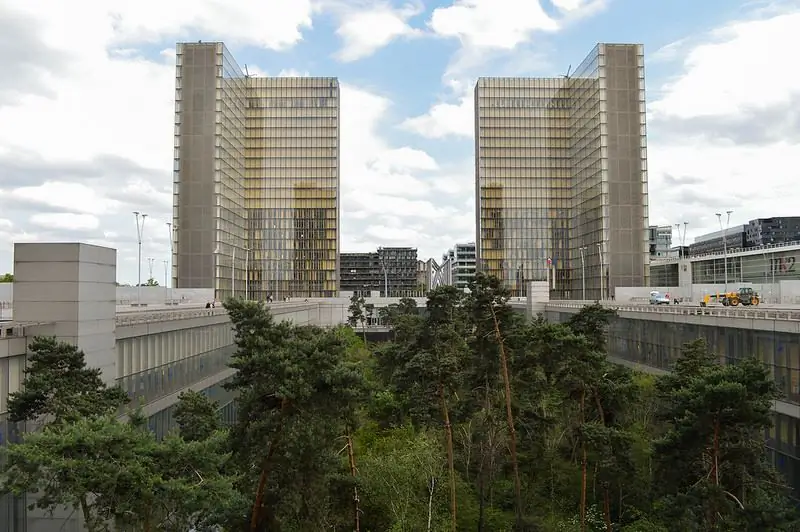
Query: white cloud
x=275, y=24
x=444, y=119
x=491, y=23
x=71, y=196
x=65, y=220
x=740, y=69
x=495, y=37
x=364, y=31
x=725, y=133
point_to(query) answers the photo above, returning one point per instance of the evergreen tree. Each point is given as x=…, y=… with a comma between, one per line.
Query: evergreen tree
x=60, y=387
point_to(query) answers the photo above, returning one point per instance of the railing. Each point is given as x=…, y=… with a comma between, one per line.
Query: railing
x=759, y=314
x=140, y=318
x=143, y=316
x=11, y=331
x=731, y=251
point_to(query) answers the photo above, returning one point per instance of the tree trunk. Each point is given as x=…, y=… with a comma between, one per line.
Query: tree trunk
x=607, y=509
x=583, y=466
x=431, y=487
x=255, y=516
x=450, y=462
x=352, y=459
x=512, y=432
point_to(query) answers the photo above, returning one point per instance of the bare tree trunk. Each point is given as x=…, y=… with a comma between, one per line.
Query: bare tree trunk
x=512, y=432
x=352, y=459
x=450, y=462
x=431, y=487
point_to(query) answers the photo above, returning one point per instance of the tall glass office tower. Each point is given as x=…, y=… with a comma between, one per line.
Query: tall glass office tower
x=561, y=177
x=256, y=179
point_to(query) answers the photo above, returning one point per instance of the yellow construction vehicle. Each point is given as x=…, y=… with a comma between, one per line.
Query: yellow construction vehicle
x=745, y=295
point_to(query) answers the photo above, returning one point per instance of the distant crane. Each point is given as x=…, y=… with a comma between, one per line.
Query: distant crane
x=569, y=69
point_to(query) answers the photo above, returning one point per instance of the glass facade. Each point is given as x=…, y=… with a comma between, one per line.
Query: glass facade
x=561, y=175
x=256, y=179
x=522, y=176
x=292, y=184
x=209, y=216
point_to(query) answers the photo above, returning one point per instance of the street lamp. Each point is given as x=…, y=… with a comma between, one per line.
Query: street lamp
x=725, y=243
x=171, y=252
x=139, y=233
x=600, y=256
x=247, y=273
x=166, y=266
x=583, y=272
x=150, y=261
x=382, y=260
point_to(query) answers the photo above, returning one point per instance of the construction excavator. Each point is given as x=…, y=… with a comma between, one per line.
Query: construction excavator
x=745, y=295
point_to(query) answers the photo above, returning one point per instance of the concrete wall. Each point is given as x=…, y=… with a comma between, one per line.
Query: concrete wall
x=157, y=295
x=72, y=288
x=782, y=293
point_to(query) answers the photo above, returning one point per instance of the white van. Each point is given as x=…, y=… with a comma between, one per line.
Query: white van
x=657, y=298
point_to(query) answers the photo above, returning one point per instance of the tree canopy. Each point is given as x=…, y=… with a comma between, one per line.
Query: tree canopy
x=471, y=418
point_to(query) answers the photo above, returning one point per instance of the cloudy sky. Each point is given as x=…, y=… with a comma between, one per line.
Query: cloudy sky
x=86, y=105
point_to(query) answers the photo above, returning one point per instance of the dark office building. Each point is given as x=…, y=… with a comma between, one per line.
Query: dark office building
x=766, y=231
x=372, y=272
x=735, y=238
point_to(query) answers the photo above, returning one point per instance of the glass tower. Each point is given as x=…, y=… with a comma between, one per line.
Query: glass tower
x=256, y=187
x=292, y=183
x=561, y=177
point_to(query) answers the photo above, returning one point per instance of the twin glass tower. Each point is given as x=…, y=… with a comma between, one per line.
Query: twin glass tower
x=561, y=177
x=256, y=179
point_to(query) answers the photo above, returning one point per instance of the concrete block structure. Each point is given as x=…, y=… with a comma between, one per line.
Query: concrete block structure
x=72, y=289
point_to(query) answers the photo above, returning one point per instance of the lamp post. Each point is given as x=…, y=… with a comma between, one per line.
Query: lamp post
x=166, y=266
x=583, y=272
x=247, y=273
x=602, y=273
x=150, y=261
x=140, y=217
x=382, y=260
x=171, y=252
x=725, y=243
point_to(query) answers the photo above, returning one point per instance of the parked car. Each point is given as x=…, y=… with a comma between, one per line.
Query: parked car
x=657, y=298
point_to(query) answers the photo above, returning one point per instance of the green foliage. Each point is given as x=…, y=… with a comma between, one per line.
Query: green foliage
x=440, y=441
x=196, y=416
x=7, y=278
x=116, y=472
x=60, y=386
x=298, y=393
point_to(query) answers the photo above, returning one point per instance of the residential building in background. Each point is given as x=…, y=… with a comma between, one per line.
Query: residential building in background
x=374, y=272
x=461, y=262
x=660, y=241
x=426, y=272
x=256, y=181
x=561, y=177
x=777, y=230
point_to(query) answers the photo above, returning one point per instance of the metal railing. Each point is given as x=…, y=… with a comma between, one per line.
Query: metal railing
x=724, y=312
x=11, y=331
x=140, y=318
x=144, y=316
x=731, y=252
